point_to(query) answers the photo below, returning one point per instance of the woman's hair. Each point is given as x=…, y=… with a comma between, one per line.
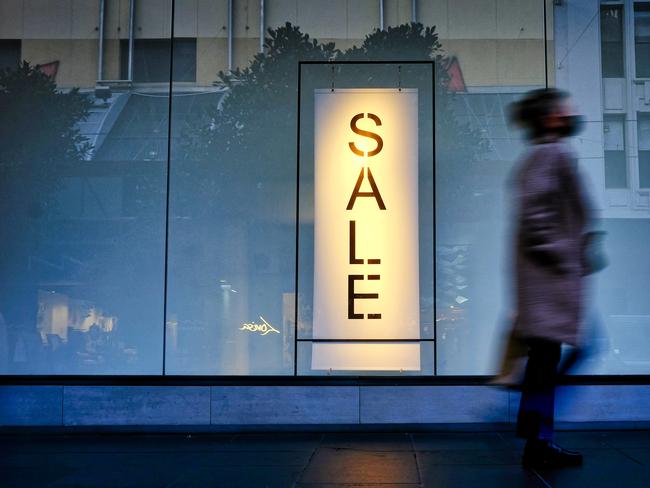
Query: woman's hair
x=529, y=112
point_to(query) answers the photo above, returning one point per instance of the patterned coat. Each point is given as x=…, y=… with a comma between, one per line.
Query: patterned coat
x=552, y=216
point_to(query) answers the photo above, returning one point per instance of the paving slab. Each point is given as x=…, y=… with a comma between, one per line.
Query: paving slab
x=352, y=466
x=602, y=468
x=315, y=459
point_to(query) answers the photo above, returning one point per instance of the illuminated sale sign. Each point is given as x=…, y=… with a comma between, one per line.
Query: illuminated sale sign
x=366, y=283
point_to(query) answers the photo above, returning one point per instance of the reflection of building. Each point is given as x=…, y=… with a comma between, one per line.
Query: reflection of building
x=129, y=129
x=603, y=58
x=112, y=210
x=496, y=45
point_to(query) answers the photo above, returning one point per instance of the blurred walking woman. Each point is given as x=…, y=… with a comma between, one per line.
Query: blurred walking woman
x=552, y=216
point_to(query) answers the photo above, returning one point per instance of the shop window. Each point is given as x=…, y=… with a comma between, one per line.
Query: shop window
x=615, y=161
x=611, y=40
x=9, y=53
x=642, y=39
x=644, y=150
x=151, y=60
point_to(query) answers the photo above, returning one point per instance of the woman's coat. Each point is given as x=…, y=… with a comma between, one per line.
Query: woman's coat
x=552, y=215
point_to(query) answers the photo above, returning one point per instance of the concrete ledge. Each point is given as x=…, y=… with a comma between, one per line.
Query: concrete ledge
x=141, y=405
x=31, y=405
x=237, y=408
x=597, y=403
x=433, y=404
x=285, y=405
x=603, y=403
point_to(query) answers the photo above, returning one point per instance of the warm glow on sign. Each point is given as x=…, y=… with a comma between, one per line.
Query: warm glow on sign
x=366, y=283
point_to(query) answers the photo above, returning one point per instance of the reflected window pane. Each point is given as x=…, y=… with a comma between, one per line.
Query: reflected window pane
x=9, y=53
x=151, y=60
x=611, y=37
x=642, y=39
x=644, y=150
x=82, y=201
x=615, y=157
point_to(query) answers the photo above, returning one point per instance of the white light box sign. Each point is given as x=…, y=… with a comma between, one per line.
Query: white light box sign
x=366, y=281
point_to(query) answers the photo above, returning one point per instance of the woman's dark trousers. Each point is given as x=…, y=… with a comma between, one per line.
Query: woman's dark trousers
x=537, y=406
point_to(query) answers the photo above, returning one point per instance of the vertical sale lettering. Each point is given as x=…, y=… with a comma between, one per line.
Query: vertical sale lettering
x=352, y=296
x=366, y=287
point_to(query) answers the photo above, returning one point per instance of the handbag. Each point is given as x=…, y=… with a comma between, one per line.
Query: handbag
x=594, y=255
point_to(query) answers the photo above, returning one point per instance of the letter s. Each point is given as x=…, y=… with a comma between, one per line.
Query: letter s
x=365, y=133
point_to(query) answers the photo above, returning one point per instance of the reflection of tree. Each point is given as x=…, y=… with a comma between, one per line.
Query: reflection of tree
x=239, y=167
x=38, y=126
x=39, y=138
x=459, y=146
x=250, y=137
x=260, y=103
x=253, y=131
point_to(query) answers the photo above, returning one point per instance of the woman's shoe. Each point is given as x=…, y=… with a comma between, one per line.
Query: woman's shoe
x=544, y=454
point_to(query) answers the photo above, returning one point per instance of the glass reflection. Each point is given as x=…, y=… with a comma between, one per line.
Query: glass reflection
x=83, y=154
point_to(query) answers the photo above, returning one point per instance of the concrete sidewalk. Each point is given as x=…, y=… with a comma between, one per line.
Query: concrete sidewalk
x=442, y=459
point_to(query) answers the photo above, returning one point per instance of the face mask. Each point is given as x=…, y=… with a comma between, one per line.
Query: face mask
x=573, y=124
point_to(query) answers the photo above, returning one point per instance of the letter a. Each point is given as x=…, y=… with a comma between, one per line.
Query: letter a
x=374, y=193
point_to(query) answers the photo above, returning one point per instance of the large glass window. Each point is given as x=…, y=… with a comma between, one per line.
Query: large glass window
x=232, y=222
x=159, y=229
x=231, y=260
x=82, y=200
